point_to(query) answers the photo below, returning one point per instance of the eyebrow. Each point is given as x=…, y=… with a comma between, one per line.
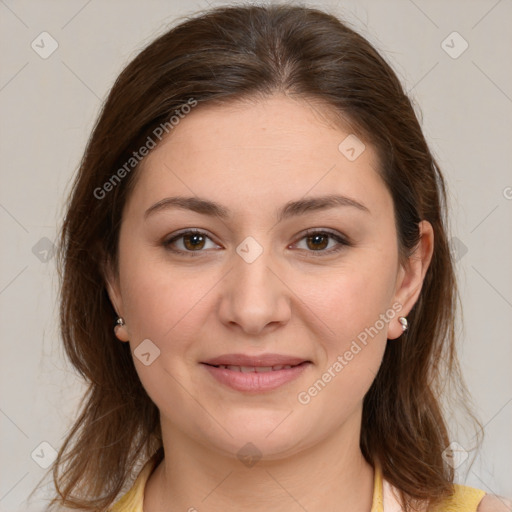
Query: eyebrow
x=290, y=209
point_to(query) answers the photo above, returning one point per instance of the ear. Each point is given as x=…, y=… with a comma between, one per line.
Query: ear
x=111, y=278
x=411, y=275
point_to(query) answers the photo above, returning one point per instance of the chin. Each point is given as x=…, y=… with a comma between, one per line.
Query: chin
x=260, y=436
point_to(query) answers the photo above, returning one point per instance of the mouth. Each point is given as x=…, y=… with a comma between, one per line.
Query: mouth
x=255, y=374
x=255, y=361
x=257, y=369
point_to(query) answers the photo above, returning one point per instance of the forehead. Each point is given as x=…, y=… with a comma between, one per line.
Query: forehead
x=254, y=153
x=276, y=123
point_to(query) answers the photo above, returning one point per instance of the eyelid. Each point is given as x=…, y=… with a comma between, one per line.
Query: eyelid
x=341, y=239
x=327, y=231
x=186, y=231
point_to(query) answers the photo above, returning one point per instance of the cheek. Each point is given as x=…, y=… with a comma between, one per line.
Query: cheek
x=159, y=297
x=351, y=299
x=163, y=305
x=352, y=306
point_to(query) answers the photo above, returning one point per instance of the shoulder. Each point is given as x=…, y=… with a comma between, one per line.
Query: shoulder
x=472, y=499
x=493, y=503
x=133, y=499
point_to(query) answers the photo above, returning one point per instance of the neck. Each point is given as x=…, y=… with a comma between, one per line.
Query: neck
x=331, y=475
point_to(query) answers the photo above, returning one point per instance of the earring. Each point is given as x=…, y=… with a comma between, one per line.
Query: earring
x=404, y=323
x=119, y=330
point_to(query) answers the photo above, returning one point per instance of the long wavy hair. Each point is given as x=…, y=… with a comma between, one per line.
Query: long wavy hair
x=222, y=55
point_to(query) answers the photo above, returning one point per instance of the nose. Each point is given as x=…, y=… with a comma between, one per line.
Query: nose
x=255, y=296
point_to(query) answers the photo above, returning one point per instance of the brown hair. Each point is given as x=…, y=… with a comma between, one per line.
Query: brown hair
x=225, y=54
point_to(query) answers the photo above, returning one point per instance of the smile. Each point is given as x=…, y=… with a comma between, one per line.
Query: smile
x=252, y=369
x=255, y=379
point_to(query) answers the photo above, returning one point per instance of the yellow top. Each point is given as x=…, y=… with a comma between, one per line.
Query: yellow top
x=465, y=499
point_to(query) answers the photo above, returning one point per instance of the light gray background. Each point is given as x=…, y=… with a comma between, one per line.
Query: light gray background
x=48, y=110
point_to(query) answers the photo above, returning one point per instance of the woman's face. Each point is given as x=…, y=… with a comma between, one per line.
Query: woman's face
x=254, y=282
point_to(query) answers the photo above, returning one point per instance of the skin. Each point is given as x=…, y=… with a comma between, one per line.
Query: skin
x=252, y=158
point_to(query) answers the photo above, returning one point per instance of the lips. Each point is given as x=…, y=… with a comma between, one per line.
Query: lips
x=254, y=369
x=260, y=361
x=255, y=374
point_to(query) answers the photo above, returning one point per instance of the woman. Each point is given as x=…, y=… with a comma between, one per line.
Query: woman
x=256, y=281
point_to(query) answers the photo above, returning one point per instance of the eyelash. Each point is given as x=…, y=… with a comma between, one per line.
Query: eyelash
x=342, y=242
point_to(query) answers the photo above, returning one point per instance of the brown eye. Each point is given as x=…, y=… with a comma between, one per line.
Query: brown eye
x=187, y=242
x=318, y=241
x=193, y=241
